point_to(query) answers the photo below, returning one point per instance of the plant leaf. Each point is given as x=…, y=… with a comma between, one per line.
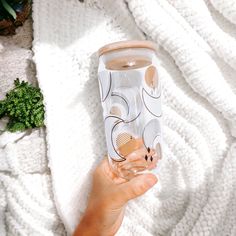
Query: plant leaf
x=8, y=8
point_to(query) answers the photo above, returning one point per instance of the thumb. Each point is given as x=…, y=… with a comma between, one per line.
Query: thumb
x=136, y=186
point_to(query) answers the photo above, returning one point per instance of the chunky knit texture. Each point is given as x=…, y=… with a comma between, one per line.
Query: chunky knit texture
x=196, y=191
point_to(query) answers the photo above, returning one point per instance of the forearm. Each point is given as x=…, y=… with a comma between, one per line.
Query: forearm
x=86, y=228
x=94, y=221
x=89, y=225
x=99, y=221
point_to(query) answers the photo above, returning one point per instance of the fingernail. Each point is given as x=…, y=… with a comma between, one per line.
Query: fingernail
x=151, y=181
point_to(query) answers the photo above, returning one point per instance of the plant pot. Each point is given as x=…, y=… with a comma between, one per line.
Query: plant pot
x=8, y=24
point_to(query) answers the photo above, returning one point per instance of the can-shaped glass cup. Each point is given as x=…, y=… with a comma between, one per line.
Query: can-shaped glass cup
x=130, y=91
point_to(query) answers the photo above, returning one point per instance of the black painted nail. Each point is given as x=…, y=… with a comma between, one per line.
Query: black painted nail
x=151, y=158
x=148, y=149
x=146, y=157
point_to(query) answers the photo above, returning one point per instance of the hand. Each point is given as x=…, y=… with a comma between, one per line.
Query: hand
x=108, y=198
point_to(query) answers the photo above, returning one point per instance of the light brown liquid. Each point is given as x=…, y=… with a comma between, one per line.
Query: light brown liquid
x=128, y=63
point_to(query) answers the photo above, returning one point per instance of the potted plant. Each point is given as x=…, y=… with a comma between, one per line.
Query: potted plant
x=13, y=13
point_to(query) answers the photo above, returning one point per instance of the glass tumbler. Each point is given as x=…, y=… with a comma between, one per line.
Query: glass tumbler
x=130, y=92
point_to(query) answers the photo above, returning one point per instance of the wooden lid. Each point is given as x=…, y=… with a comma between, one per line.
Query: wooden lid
x=127, y=63
x=127, y=44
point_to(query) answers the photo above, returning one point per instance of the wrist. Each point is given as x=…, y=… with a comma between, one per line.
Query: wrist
x=91, y=222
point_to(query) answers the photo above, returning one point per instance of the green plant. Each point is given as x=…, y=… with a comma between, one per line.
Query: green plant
x=8, y=8
x=12, y=14
x=24, y=107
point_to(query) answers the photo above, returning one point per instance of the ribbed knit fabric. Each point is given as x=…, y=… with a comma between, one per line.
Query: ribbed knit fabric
x=227, y=8
x=196, y=191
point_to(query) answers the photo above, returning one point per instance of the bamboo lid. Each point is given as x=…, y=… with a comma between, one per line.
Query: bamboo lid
x=127, y=44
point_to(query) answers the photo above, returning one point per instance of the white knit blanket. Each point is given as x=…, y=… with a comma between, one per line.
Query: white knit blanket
x=197, y=50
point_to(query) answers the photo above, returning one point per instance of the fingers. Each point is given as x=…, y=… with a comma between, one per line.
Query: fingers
x=104, y=172
x=140, y=153
x=136, y=187
x=138, y=160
